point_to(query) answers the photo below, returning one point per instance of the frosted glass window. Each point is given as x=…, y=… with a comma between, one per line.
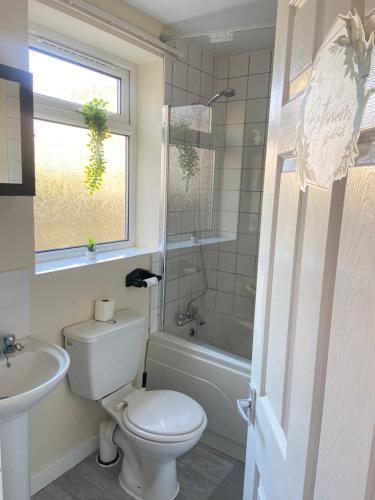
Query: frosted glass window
x=61, y=79
x=65, y=213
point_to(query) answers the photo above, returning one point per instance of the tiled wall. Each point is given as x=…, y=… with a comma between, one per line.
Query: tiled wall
x=242, y=123
x=15, y=303
x=233, y=187
x=10, y=128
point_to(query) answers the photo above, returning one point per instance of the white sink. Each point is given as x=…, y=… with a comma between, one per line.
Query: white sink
x=32, y=374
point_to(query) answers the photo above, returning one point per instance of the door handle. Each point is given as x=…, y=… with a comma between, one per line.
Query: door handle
x=246, y=408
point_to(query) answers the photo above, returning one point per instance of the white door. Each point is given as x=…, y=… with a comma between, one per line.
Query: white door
x=314, y=335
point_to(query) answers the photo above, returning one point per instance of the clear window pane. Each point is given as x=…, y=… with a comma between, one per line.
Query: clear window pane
x=55, y=77
x=65, y=213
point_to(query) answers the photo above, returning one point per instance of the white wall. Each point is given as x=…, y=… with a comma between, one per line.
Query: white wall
x=63, y=420
x=149, y=107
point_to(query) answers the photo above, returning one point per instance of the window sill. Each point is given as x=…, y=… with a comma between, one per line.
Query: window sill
x=83, y=261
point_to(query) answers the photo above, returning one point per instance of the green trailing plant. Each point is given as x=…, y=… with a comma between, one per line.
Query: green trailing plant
x=188, y=156
x=91, y=244
x=96, y=118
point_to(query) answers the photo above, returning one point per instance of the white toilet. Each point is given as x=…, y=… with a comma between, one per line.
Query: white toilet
x=151, y=428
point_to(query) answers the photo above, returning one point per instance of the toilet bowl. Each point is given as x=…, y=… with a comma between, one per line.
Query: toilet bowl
x=151, y=428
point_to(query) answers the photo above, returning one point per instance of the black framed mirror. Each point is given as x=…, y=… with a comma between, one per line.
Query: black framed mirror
x=17, y=164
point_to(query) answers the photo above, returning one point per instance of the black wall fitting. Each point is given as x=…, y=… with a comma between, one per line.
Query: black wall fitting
x=138, y=276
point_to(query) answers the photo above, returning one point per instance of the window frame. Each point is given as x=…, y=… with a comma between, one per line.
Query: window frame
x=68, y=113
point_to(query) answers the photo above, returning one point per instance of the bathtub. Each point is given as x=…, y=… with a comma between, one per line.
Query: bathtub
x=201, y=366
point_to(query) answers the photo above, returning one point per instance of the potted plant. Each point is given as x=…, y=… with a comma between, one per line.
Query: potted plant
x=91, y=248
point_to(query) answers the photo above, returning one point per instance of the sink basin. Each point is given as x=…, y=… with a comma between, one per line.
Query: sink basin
x=32, y=374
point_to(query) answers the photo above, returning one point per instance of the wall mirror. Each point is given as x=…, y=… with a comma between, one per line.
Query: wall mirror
x=17, y=169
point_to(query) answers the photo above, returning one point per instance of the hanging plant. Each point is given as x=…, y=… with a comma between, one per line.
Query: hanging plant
x=188, y=157
x=189, y=160
x=96, y=118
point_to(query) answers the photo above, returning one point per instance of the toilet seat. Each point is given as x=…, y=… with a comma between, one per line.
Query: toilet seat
x=163, y=416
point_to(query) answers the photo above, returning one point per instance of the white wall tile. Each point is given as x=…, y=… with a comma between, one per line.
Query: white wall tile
x=172, y=290
x=238, y=65
x=258, y=86
x=182, y=47
x=206, y=85
x=246, y=265
x=244, y=285
x=219, y=136
x=13, y=108
x=174, y=223
x=230, y=201
x=256, y=110
x=168, y=63
x=14, y=287
x=222, y=68
x=243, y=306
x=212, y=259
x=173, y=267
x=226, y=282
x=253, y=157
x=210, y=299
x=250, y=202
x=233, y=157
x=229, y=246
x=234, y=135
x=224, y=301
x=248, y=244
x=180, y=71
x=260, y=62
x=235, y=112
x=178, y=97
x=187, y=222
x=197, y=282
x=228, y=222
x=240, y=86
x=248, y=223
x=207, y=62
x=232, y=179
x=16, y=319
x=194, y=80
x=171, y=311
x=255, y=134
x=227, y=262
x=219, y=110
x=195, y=55
x=252, y=180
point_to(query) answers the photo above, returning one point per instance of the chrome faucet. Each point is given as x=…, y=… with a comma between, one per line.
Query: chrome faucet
x=8, y=345
x=188, y=316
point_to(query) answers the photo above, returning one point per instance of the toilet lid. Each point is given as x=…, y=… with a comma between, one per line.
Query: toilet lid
x=165, y=413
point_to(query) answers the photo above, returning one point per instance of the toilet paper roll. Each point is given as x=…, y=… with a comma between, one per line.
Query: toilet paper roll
x=151, y=281
x=104, y=309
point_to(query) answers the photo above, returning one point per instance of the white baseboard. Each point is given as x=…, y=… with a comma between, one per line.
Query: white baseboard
x=55, y=470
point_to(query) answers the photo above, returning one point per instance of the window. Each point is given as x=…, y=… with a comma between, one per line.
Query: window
x=66, y=214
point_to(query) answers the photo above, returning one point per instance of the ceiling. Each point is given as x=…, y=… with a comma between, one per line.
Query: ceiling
x=197, y=16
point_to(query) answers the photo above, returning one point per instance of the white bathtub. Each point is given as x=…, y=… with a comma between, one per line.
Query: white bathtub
x=208, y=373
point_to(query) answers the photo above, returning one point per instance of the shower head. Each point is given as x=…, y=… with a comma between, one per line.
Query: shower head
x=225, y=93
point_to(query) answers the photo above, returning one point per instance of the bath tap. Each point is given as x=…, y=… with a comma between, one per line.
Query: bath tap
x=190, y=315
x=9, y=346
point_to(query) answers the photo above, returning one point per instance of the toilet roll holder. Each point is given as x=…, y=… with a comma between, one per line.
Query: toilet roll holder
x=139, y=277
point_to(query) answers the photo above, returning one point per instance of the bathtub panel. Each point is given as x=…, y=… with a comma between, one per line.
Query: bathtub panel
x=214, y=380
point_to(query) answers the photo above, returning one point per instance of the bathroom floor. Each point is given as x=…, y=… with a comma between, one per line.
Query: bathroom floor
x=203, y=473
